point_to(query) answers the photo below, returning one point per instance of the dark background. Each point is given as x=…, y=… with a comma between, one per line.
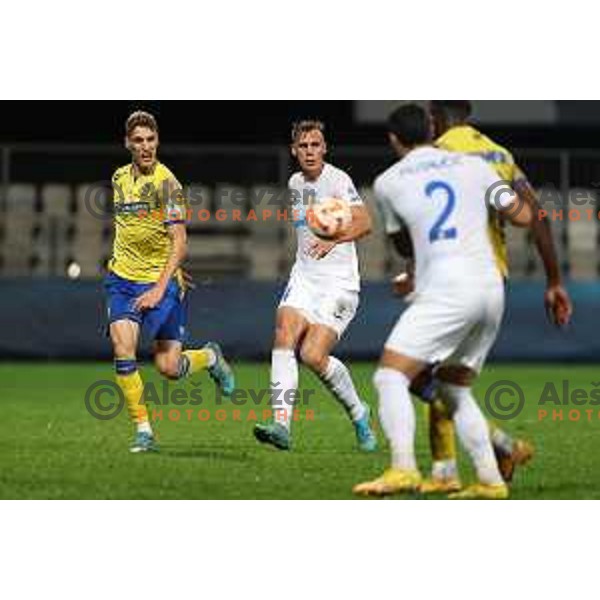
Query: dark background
x=256, y=122
x=45, y=315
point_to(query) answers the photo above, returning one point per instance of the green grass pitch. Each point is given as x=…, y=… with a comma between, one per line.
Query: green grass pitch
x=50, y=446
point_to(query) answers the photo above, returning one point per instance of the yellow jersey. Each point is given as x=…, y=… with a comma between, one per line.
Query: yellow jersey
x=144, y=206
x=468, y=140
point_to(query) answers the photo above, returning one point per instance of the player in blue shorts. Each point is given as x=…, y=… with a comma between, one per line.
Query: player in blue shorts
x=145, y=285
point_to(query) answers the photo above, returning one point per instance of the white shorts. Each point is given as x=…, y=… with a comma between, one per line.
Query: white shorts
x=459, y=331
x=321, y=304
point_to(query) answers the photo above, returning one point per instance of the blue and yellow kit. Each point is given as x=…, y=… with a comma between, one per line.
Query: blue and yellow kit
x=144, y=207
x=468, y=140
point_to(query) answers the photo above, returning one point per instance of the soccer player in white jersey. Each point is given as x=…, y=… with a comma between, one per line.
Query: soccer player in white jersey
x=458, y=300
x=321, y=297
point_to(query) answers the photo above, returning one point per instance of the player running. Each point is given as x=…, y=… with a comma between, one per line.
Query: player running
x=321, y=297
x=442, y=198
x=450, y=120
x=144, y=284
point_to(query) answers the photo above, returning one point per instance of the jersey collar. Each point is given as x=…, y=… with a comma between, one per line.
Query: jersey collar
x=132, y=171
x=315, y=181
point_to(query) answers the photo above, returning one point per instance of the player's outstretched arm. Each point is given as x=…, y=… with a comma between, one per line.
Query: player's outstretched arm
x=556, y=298
x=541, y=232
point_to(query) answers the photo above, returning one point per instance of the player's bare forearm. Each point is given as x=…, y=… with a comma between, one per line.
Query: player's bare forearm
x=541, y=233
x=358, y=228
x=154, y=295
x=175, y=203
x=544, y=243
x=556, y=298
x=360, y=225
x=178, y=237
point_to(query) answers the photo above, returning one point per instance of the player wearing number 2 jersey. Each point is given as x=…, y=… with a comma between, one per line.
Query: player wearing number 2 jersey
x=441, y=197
x=454, y=133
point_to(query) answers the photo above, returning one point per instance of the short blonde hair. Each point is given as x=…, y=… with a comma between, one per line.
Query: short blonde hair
x=306, y=125
x=140, y=118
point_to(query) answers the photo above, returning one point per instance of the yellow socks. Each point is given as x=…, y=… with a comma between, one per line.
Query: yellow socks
x=197, y=360
x=441, y=432
x=129, y=380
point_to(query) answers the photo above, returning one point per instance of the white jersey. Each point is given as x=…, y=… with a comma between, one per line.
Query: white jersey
x=443, y=198
x=340, y=267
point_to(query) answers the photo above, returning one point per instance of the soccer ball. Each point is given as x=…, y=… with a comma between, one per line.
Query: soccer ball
x=330, y=216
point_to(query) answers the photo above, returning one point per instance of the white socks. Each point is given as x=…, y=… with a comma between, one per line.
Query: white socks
x=397, y=415
x=473, y=431
x=339, y=382
x=284, y=372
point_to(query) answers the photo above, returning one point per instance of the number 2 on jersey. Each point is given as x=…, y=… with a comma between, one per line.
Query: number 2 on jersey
x=437, y=232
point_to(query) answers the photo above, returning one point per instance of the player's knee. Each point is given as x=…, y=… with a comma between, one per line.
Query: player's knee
x=380, y=378
x=314, y=358
x=122, y=348
x=384, y=377
x=170, y=373
x=168, y=367
x=284, y=337
x=124, y=339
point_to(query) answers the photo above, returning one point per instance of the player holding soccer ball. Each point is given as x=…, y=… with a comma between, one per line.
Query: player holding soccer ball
x=442, y=198
x=321, y=297
x=144, y=285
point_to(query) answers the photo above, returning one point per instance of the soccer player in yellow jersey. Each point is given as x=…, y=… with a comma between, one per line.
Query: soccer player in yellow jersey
x=144, y=285
x=454, y=133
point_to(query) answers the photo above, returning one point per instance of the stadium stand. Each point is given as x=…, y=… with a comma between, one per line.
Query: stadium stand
x=582, y=235
x=90, y=241
x=44, y=226
x=19, y=230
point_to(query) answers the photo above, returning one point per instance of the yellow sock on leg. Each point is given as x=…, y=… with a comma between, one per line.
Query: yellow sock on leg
x=441, y=432
x=444, y=470
x=199, y=359
x=129, y=380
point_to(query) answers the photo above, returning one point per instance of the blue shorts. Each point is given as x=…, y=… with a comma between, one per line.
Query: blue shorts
x=164, y=322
